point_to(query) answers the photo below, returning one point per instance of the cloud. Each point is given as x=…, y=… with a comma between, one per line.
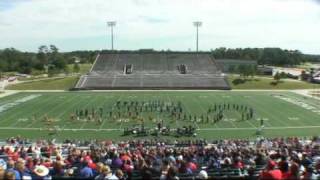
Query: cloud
x=157, y=23
x=153, y=20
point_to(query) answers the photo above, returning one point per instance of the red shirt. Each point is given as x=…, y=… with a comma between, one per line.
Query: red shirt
x=271, y=174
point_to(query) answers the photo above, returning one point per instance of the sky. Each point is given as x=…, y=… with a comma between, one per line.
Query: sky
x=160, y=24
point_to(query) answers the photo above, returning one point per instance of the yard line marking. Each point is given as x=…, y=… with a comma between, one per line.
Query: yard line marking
x=52, y=110
x=11, y=116
x=121, y=122
x=39, y=103
x=189, y=112
x=269, y=113
x=87, y=107
x=204, y=129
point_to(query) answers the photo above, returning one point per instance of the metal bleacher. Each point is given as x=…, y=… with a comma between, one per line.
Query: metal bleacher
x=153, y=70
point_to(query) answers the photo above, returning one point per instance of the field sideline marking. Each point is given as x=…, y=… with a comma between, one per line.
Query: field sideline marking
x=204, y=129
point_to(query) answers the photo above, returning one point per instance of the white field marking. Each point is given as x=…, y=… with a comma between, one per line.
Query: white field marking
x=264, y=119
x=23, y=119
x=203, y=129
x=119, y=99
x=84, y=123
x=248, y=121
x=17, y=114
x=293, y=118
x=226, y=96
x=8, y=93
x=70, y=107
x=269, y=128
x=53, y=109
x=104, y=120
x=298, y=102
x=273, y=117
x=7, y=106
x=203, y=96
x=201, y=109
x=232, y=123
x=161, y=90
x=229, y=119
x=36, y=112
x=215, y=124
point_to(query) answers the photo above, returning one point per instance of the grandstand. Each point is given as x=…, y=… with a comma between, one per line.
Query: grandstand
x=153, y=70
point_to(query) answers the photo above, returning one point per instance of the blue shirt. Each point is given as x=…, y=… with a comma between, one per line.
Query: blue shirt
x=86, y=172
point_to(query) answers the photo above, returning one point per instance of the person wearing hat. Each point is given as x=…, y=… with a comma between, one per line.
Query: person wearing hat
x=203, y=175
x=41, y=172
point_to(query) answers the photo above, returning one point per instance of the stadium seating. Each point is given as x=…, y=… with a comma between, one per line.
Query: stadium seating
x=155, y=159
x=153, y=70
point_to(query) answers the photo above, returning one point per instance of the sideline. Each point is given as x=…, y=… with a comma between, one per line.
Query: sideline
x=204, y=129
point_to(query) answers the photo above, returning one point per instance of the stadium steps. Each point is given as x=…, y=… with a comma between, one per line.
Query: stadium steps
x=153, y=71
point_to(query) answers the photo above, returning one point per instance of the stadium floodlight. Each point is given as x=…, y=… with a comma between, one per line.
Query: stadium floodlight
x=197, y=24
x=111, y=24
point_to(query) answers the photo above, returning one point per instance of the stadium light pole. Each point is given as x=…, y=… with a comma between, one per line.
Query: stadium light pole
x=197, y=24
x=111, y=24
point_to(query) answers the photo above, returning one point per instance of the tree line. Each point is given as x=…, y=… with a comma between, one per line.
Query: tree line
x=265, y=56
x=48, y=59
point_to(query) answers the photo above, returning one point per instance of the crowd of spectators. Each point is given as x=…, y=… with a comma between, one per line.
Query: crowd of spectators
x=263, y=158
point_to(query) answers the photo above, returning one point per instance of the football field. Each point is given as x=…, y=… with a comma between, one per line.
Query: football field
x=104, y=115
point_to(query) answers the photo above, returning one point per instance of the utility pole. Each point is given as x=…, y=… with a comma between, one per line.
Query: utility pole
x=111, y=24
x=197, y=24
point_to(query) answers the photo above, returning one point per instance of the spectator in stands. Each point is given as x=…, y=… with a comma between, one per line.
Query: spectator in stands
x=11, y=168
x=41, y=172
x=294, y=171
x=58, y=169
x=116, y=161
x=23, y=173
x=309, y=174
x=284, y=167
x=2, y=172
x=172, y=174
x=108, y=174
x=86, y=171
x=184, y=169
x=9, y=175
x=305, y=161
x=119, y=174
x=270, y=172
x=179, y=159
x=202, y=175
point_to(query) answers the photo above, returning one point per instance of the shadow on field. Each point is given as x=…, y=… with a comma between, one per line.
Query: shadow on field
x=274, y=83
x=242, y=81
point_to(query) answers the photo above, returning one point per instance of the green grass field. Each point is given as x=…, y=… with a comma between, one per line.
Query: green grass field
x=50, y=84
x=285, y=113
x=250, y=83
x=260, y=82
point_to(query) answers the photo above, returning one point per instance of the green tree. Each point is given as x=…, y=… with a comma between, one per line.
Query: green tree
x=76, y=68
x=277, y=77
x=232, y=68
